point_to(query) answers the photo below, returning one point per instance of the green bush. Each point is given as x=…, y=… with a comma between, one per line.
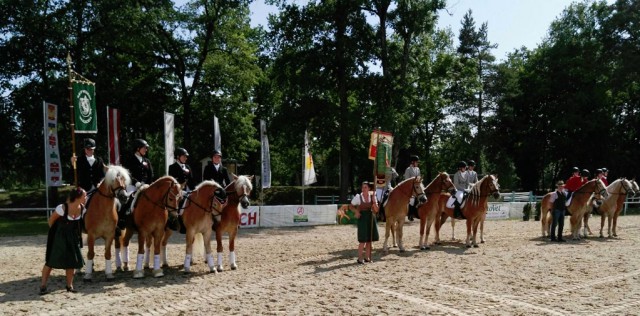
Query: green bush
x=291, y=195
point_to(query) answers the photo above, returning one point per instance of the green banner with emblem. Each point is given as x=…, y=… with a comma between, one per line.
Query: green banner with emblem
x=84, y=103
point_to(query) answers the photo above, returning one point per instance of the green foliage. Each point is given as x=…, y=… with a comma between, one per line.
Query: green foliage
x=526, y=210
x=293, y=195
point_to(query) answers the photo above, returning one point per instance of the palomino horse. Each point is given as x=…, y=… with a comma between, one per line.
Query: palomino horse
x=102, y=216
x=397, y=207
x=612, y=204
x=151, y=209
x=428, y=211
x=238, y=195
x=203, y=208
x=474, y=208
x=636, y=189
x=589, y=194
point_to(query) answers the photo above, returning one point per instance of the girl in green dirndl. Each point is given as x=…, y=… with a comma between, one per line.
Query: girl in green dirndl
x=365, y=206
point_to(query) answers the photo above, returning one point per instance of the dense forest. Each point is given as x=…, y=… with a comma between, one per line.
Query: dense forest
x=336, y=68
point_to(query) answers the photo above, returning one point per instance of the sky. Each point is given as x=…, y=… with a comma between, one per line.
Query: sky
x=511, y=23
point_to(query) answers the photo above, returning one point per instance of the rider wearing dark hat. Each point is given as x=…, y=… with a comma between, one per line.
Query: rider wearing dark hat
x=90, y=168
x=472, y=175
x=574, y=182
x=180, y=170
x=605, y=175
x=413, y=171
x=216, y=171
x=139, y=165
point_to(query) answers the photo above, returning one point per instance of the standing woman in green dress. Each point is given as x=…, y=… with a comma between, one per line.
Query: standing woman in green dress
x=365, y=206
x=65, y=239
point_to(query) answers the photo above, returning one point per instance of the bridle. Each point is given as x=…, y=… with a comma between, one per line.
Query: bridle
x=443, y=182
x=112, y=190
x=165, y=197
x=211, y=209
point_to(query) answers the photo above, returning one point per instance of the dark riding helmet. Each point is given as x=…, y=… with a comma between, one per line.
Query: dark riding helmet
x=575, y=169
x=605, y=170
x=216, y=153
x=471, y=163
x=462, y=164
x=180, y=152
x=414, y=158
x=598, y=171
x=139, y=143
x=89, y=143
x=585, y=173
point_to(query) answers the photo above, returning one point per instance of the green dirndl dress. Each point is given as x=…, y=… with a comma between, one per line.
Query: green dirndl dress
x=367, y=223
x=63, y=244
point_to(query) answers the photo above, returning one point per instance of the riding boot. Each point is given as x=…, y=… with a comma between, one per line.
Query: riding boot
x=173, y=222
x=410, y=215
x=183, y=229
x=457, y=212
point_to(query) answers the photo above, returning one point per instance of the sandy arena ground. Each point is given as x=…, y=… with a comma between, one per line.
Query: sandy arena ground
x=313, y=271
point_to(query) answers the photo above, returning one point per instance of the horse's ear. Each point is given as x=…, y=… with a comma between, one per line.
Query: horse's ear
x=105, y=168
x=251, y=177
x=234, y=176
x=496, y=176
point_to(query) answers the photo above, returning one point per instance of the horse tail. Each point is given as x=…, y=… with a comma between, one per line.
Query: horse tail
x=198, y=246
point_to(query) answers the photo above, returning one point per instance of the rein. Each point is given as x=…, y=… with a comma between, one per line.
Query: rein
x=166, y=205
x=622, y=186
x=206, y=210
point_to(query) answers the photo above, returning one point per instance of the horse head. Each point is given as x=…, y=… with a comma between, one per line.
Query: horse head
x=599, y=192
x=635, y=187
x=447, y=183
x=215, y=195
x=243, y=189
x=418, y=190
x=494, y=187
x=174, y=193
x=487, y=186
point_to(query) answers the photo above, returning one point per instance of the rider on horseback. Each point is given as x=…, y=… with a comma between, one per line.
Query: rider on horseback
x=181, y=171
x=461, y=182
x=413, y=171
x=139, y=167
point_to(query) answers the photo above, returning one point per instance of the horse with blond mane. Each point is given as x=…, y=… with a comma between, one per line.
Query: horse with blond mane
x=397, y=206
x=151, y=207
x=428, y=211
x=102, y=216
x=474, y=208
x=203, y=208
x=238, y=192
x=617, y=193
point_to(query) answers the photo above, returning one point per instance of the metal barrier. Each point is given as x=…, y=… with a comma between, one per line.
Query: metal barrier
x=634, y=200
x=329, y=199
x=518, y=197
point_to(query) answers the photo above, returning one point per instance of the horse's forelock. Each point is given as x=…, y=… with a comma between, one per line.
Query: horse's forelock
x=114, y=172
x=241, y=182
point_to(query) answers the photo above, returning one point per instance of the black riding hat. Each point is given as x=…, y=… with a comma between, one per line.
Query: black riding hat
x=471, y=163
x=598, y=171
x=139, y=143
x=216, y=152
x=575, y=169
x=180, y=152
x=89, y=143
x=413, y=158
x=605, y=170
x=462, y=164
x=585, y=173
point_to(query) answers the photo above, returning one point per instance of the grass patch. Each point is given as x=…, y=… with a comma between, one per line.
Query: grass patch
x=23, y=226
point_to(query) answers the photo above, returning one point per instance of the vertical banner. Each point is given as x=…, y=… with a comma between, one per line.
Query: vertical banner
x=168, y=141
x=84, y=104
x=309, y=170
x=217, y=143
x=264, y=156
x=51, y=151
x=377, y=137
x=113, y=126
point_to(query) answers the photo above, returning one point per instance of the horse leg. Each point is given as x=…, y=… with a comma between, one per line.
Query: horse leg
x=399, y=228
x=476, y=222
x=108, y=240
x=190, y=237
x=586, y=225
x=219, y=248
x=207, y=248
x=615, y=224
x=394, y=226
x=387, y=226
x=125, y=249
x=440, y=219
x=602, y=225
x=430, y=221
x=609, y=218
x=484, y=217
x=468, y=241
x=138, y=273
x=421, y=241
x=232, y=247
x=158, y=235
x=163, y=251
x=147, y=251
x=453, y=229
x=91, y=240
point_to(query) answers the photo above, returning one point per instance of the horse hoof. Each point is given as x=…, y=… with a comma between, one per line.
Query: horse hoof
x=165, y=266
x=146, y=267
x=110, y=277
x=138, y=274
x=158, y=273
x=468, y=246
x=601, y=236
x=87, y=280
x=234, y=266
x=219, y=268
x=119, y=269
x=402, y=250
x=475, y=246
x=482, y=241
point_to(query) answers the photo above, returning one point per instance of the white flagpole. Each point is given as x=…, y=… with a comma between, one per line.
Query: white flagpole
x=304, y=150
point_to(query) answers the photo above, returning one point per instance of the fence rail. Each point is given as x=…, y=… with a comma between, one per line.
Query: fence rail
x=329, y=199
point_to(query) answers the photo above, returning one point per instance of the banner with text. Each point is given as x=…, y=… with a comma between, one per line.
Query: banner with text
x=264, y=156
x=297, y=215
x=52, y=163
x=168, y=141
x=250, y=217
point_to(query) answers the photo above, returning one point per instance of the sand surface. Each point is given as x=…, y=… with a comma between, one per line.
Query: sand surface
x=313, y=271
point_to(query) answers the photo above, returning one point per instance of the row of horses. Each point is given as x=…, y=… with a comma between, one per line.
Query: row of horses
x=208, y=206
x=607, y=201
x=432, y=208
